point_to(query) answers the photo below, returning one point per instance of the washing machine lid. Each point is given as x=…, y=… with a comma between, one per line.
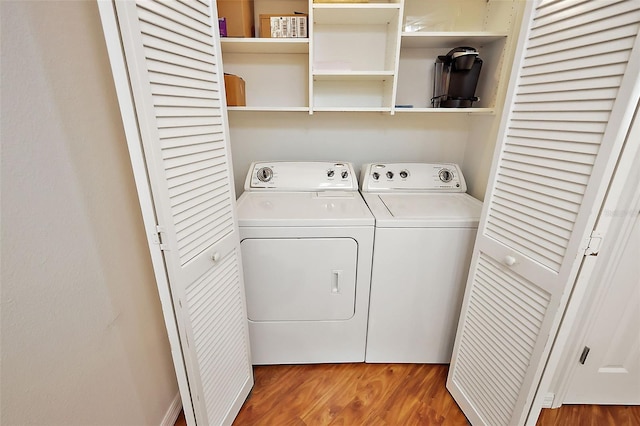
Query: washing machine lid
x=318, y=209
x=402, y=210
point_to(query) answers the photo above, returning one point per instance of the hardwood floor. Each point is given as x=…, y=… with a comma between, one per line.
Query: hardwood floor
x=381, y=394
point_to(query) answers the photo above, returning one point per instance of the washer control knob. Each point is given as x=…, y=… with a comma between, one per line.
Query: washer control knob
x=330, y=173
x=445, y=175
x=375, y=175
x=265, y=174
x=404, y=174
x=390, y=174
x=344, y=174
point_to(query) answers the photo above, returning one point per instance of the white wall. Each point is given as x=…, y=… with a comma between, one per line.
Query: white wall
x=355, y=137
x=83, y=341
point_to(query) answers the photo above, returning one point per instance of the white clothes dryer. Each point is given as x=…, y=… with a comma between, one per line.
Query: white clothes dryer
x=425, y=230
x=307, y=244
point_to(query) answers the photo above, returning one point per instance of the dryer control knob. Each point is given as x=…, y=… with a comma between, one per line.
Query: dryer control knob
x=330, y=173
x=404, y=174
x=344, y=174
x=390, y=175
x=375, y=175
x=265, y=174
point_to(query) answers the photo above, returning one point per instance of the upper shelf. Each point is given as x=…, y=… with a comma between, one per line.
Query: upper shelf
x=440, y=39
x=265, y=45
x=355, y=13
x=328, y=75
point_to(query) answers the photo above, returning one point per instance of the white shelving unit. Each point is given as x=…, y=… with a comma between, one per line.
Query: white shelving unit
x=372, y=56
x=354, y=55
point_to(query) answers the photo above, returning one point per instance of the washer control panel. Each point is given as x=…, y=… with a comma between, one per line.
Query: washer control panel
x=412, y=177
x=301, y=176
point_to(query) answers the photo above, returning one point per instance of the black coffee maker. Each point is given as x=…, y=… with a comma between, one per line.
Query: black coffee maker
x=455, y=78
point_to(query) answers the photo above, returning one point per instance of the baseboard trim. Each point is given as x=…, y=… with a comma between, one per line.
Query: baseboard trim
x=547, y=402
x=173, y=412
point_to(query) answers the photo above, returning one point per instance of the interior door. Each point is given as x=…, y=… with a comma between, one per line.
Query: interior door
x=570, y=102
x=610, y=373
x=172, y=57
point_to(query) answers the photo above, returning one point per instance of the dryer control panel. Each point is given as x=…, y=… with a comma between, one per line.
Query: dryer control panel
x=301, y=176
x=412, y=177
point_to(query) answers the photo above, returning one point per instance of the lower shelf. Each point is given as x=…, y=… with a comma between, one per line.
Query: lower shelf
x=475, y=111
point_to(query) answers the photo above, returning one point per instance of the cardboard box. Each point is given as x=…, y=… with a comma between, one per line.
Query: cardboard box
x=238, y=15
x=284, y=26
x=234, y=87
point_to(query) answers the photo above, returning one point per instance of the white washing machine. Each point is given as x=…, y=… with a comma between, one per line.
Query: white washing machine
x=307, y=244
x=425, y=230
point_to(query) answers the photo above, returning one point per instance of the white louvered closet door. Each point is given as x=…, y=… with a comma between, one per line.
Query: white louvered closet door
x=571, y=99
x=172, y=54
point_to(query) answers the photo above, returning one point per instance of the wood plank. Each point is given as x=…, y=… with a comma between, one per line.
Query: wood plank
x=381, y=395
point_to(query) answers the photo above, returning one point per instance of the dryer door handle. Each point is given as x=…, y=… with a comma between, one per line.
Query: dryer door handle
x=335, y=281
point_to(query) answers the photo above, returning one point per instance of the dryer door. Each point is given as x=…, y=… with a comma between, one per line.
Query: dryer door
x=300, y=279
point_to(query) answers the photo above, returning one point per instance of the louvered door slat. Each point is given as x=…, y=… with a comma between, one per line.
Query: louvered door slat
x=179, y=100
x=556, y=87
x=185, y=192
x=497, y=336
x=175, y=76
x=177, y=132
x=177, y=24
x=186, y=92
x=562, y=137
x=588, y=105
x=528, y=171
x=159, y=37
x=604, y=48
x=558, y=8
x=569, y=126
x=193, y=192
x=571, y=90
x=539, y=234
x=563, y=226
x=182, y=111
x=551, y=154
x=578, y=16
x=541, y=193
x=176, y=31
x=562, y=116
x=548, y=162
x=184, y=150
x=570, y=65
x=554, y=230
x=570, y=95
x=542, y=182
x=513, y=199
x=186, y=70
x=188, y=10
x=176, y=80
x=590, y=32
x=604, y=70
x=578, y=147
x=189, y=172
x=199, y=216
x=194, y=243
x=166, y=58
x=187, y=121
x=200, y=6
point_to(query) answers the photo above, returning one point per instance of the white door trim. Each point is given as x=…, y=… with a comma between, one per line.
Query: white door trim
x=590, y=286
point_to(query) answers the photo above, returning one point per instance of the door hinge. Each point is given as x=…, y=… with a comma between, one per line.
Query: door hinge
x=160, y=230
x=593, y=244
x=585, y=353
